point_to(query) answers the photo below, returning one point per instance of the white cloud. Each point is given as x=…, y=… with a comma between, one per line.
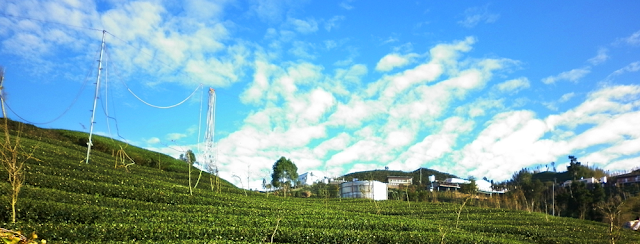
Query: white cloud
x=269, y=11
x=399, y=138
x=306, y=105
x=334, y=22
x=566, y=97
x=32, y=34
x=632, y=67
x=511, y=141
x=303, y=50
x=554, y=105
x=175, y=136
x=633, y=39
x=514, y=86
x=572, y=75
x=517, y=139
x=433, y=146
x=601, y=57
x=597, y=107
x=477, y=15
x=153, y=140
x=204, y=9
x=448, y=53
x=615, y=129
x=330, y=44
x=219, y=72
x=133, y=20
x=354, y=113
x=337, y=143
x=303, y=26
x=391, y=61
x=345, y=5
x=258, y=89
x=329, y=119
x=623, y=164
x=480, y=107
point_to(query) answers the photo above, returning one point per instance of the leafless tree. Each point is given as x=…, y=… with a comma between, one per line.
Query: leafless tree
x=13, y=159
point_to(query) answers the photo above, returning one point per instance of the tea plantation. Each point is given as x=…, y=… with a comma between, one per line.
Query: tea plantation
x=65, y=200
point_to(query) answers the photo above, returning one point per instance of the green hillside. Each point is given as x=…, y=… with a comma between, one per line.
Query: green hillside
x=67, y=201
x=381, y=175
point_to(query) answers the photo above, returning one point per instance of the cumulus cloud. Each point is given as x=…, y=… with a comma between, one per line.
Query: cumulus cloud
x=518, y=139
x=391, y=61
x=141, y=38
x=443, y=109
x=572, y=75
x=376, y=123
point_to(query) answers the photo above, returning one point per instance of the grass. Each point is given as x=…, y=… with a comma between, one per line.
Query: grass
x=65, y=200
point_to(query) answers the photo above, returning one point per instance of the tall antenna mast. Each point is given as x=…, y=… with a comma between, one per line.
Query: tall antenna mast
x=4, y=113
x=95, y=98
x=209, y=156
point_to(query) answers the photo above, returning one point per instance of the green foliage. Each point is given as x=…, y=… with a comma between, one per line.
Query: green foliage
x=67, y=201
x=284, y=173
x=471, y=188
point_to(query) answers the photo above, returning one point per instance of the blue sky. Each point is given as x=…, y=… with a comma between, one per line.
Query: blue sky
x=477, y=89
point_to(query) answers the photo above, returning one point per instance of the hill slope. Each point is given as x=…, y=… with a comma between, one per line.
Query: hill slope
x=68, y=201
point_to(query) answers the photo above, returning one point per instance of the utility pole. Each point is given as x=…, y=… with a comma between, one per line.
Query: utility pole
x=95, y=98
x=4, y=113
x=553, y=198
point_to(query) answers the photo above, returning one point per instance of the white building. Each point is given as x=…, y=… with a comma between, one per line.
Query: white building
x=485, y=187
x=397, y=181
x=375, y=190
x=311, y=177
x=482, y=185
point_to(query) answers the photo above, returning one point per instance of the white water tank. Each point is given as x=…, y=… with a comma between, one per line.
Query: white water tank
x=364, y=189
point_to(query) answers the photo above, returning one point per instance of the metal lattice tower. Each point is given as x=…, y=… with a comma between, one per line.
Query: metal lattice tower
x=210, y=152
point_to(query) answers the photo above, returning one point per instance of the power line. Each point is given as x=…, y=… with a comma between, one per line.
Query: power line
x=84, y=84
x=105, y=103
x=149, y=104
x=87, y=28
x=161, y=107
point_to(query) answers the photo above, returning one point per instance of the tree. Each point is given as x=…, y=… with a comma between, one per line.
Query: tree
x=612, y=210
x=581, y=199
x=190, y=158
x=285, y=174
x=471, y=188
x=13, y=158
x=576, y=170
